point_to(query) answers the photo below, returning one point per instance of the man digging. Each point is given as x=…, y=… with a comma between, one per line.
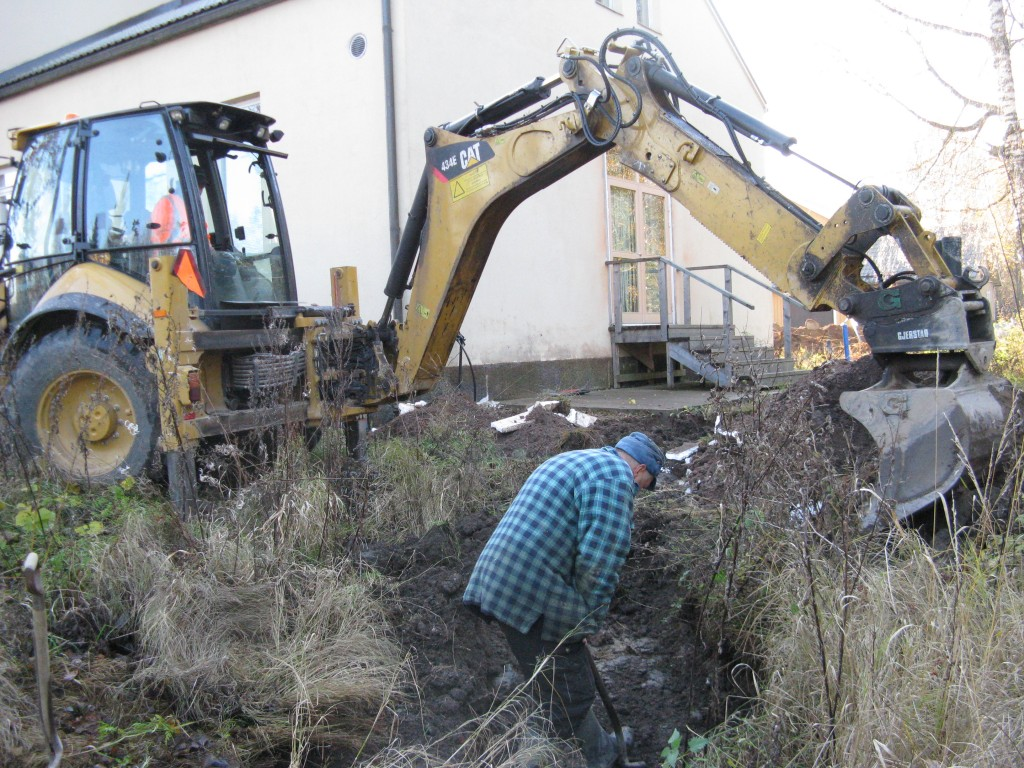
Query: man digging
x=549, y=570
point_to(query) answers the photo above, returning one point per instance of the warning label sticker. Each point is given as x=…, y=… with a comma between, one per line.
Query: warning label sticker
x=469, y=182
x=463, y=166
x=455, y=159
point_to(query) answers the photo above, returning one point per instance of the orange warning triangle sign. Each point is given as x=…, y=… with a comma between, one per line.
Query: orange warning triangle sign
x=186, y=271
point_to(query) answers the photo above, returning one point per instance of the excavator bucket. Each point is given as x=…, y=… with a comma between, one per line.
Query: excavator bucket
x=927, y=436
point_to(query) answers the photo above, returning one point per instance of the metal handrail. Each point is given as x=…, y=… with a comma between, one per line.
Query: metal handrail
x=788, y=302
x=686, y=271
x=690, y=273
x=767, y=286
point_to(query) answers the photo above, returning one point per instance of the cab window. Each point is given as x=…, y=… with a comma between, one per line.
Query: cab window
x=40, y=225
x=247, y=264
x=133, y=194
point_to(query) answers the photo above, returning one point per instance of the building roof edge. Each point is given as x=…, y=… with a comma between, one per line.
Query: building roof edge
x=162, y=23
x=739, y=56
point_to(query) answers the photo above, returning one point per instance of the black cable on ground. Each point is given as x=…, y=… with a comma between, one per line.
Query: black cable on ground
x=461, y=340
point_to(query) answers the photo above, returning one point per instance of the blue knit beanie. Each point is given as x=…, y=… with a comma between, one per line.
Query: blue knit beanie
x=644, y=450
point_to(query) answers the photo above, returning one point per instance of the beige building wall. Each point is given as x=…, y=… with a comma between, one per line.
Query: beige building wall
x=544, y=294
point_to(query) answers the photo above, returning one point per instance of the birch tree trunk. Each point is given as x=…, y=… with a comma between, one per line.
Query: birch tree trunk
x=1012, y=151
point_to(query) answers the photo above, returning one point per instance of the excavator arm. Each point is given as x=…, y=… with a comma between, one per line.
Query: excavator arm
x=935, y=408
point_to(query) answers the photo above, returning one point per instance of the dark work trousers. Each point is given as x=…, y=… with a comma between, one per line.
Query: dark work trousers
x=565, y=684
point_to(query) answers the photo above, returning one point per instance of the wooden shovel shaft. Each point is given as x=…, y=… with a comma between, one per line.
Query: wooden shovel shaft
x=40, y=641
x=613, y=715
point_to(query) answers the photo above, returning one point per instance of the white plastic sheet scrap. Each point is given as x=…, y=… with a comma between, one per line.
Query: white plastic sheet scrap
x=404, y=408
x=581, y=419
x=683, y=454
x=725, y=433
x=512, y=423
x=801, y=514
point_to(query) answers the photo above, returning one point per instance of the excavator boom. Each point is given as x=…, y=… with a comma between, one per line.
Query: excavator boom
x=936, y=408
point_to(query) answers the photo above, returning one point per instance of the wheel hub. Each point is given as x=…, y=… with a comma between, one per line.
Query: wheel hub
x=98, y=421
x=83, y=417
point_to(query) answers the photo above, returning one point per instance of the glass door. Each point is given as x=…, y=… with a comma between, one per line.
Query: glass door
x=638, y=229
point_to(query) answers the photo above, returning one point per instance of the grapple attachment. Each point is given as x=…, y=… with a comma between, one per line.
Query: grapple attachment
x=927, y=435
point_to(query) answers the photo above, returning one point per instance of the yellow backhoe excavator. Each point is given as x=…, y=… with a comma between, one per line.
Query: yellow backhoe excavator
x=150, y=293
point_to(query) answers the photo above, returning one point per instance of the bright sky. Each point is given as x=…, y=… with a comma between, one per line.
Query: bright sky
x=823, y=66
x=820, y=63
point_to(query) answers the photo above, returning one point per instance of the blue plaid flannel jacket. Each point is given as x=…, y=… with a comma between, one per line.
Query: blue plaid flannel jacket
x=558, y=549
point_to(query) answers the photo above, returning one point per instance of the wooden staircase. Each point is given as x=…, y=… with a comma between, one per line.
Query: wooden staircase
x=672, y=352
x=695, y=354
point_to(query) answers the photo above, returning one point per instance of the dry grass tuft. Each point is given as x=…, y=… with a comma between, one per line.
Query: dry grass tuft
x=424, y=472
x=240, y=623
x=918, y=664
x=868, y=649
x=20, y=733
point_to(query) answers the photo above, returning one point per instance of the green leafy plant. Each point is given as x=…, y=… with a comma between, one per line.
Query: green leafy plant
x=673, y=750
x=166, y=728
x=66, y=525
x=697, y=744
x=34, y=520
x=670, y=754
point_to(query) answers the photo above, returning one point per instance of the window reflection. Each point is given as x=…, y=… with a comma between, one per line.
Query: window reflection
x=40, y=224
x=133, y=194
x=241, y=225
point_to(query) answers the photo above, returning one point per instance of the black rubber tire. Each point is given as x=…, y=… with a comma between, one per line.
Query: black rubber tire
x=84, y=379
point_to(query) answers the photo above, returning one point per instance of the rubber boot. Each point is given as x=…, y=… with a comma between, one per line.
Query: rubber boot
x=598, y=747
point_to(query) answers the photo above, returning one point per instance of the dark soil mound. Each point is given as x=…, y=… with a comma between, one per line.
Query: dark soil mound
x=545, y=432
x=817, y=396
x=757, y=441
x=824, y=385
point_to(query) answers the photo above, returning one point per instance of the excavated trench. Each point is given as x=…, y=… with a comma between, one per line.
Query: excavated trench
x=665, y=670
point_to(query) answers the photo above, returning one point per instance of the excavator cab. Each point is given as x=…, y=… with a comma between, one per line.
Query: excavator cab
x=156, y=228
x=195, y=178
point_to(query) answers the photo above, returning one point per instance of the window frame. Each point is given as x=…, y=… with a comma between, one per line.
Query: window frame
x=615, y=6
x=32, y=273
x=650, y=9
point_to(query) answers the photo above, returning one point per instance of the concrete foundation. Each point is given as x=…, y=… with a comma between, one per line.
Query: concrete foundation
x=507, y=381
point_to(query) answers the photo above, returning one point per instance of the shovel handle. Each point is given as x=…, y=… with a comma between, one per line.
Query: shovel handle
x=613, y=716
x=34, y=587
x=33, y=577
